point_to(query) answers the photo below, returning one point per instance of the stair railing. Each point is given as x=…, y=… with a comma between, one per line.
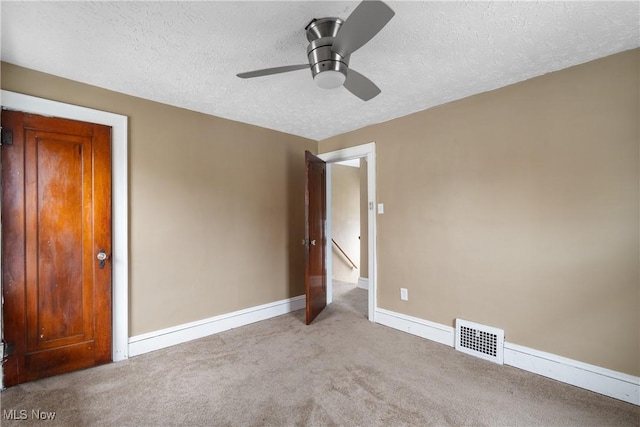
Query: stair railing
x=353, y=264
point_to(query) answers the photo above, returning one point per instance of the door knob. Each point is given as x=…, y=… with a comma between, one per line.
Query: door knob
x=313, y=242
x=102, y=257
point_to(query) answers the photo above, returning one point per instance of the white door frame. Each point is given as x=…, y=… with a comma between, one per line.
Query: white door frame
x=368, y=151
x=120, y=218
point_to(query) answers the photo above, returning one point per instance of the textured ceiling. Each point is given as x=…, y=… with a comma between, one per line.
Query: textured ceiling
x=188, y=53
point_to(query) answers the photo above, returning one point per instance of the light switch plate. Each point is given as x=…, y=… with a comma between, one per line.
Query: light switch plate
x=380, y=208
x=404, y=294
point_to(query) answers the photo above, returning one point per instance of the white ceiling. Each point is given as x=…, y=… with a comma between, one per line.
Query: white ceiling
x=188, y=53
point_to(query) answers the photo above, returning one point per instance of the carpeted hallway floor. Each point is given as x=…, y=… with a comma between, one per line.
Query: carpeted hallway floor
x=341, y=370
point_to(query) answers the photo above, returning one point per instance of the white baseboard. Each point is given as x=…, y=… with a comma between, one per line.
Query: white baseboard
x=594, y=378
x=600, y=380
x=363, y=283
x=156, y=340
x=415, y=326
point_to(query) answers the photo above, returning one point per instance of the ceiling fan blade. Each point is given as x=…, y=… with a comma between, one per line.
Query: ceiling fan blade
x=274, y=70
x=361, y=86
x=368, y=18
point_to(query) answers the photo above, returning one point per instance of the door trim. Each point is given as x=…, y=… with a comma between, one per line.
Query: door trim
x=119, y=172
x=368, y=151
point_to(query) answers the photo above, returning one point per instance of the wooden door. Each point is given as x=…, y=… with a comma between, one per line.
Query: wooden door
x=56, y=219
x=315, y=238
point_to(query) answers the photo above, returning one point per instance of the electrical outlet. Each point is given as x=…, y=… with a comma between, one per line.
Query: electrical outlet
x=404, y=294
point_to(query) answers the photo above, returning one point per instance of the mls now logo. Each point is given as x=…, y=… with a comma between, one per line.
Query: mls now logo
x=23, y=414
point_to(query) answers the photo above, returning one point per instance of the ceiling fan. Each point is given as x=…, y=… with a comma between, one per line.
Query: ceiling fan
x=331, y=43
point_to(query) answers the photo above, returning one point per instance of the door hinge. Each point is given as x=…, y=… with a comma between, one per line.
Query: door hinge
x=7, y=350
x=7, y=137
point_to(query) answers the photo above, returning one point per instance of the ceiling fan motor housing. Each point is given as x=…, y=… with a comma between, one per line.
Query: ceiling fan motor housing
x=320, y=33
x=331, y=43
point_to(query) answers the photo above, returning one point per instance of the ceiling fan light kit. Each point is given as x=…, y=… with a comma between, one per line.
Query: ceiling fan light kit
x=330, y=79
x=331, y=43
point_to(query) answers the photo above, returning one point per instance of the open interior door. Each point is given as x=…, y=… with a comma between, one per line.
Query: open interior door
x=315, y=272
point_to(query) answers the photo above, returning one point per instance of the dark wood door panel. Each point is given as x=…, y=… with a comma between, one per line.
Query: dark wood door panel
x=316, y=216
x=60, y=360
x=56, y=216
x=58, y=210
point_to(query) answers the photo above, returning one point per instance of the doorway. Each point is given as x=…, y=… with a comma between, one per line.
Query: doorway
x=349, y=233
x=120, y=245
x=366, y=152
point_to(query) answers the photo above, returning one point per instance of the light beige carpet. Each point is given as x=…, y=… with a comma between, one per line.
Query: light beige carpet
x=341, y=370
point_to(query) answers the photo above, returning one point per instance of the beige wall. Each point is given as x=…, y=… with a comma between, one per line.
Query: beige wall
x=216, y=206
x=345, y=221
x=519, y=208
